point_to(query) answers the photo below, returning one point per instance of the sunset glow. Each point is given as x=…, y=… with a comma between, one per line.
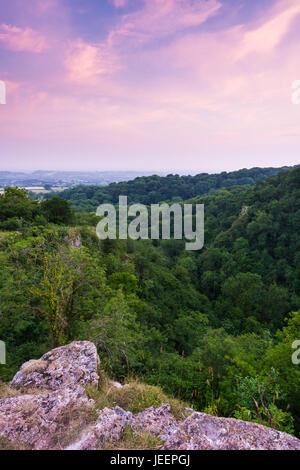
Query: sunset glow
x=186, y=85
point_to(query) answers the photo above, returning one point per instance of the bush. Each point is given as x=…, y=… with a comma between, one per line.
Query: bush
x=134, y=397
x=14, y=223
x=57, y=211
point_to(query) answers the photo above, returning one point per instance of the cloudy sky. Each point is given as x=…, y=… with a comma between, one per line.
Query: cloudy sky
x=187, y=85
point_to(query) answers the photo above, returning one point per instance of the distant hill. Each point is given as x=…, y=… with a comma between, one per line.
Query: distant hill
x=66, y=178
x=154, y=189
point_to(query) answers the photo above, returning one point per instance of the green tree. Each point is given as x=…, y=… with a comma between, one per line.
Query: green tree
x=57, y=210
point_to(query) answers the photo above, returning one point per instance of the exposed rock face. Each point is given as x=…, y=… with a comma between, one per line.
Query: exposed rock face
x=37, y=420
x=204, y=432
x=198, y=432
x=158, y=421
x=111, y=424
x=74, y=240
x=108, y=428
x=34, y=419
x=74, y=364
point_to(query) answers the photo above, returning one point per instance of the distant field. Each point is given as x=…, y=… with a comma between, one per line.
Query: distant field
x=39, y=189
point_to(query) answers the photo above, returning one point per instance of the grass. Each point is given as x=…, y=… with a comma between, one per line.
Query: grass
x=5, y=444
x=35, y=366
x=71, y=423
x=134, y=397
x=4, y=234
x=6, y=391
x=131, y=440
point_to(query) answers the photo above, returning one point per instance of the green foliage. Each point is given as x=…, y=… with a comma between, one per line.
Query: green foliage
x=57, y=211
x=134, y=396
x=16, y=209
x=207, y=327
x=154, y=189
x=54, y=292
x=115, y=332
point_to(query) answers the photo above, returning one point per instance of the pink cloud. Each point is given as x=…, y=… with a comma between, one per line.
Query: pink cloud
x=43, y=7
x=19, y=39
x=157, y=18
x=119, y=3
x=85, y=62
x=269, y=34
x=198, y=95
x=160, y=18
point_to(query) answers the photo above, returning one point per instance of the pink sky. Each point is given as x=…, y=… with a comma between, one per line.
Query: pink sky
x=186, y=85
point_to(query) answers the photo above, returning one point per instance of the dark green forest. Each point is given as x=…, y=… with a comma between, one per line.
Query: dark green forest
x=214, y=328
x=154, y=189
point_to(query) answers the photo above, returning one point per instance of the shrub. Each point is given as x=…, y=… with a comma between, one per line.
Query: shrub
x=134, y=397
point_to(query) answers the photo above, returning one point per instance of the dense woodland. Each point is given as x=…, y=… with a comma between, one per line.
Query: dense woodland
x=155, y=189
x=213, y=327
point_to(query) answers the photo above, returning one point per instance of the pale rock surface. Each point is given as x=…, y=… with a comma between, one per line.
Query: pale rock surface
x=74, y=240
x=204, y=432
x=158, y=421
x=117, y=385
x=57, y=378
x=108, y=428
x=67, y=366
x=34, y=419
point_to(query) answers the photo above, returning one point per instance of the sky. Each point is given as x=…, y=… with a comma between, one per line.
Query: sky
x=165, y=85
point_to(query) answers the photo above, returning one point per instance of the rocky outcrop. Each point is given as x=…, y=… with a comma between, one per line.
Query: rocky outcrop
x=158, y=421
x=68, y=366
x=108, y=428
x=204, y=432
x=197, y=432
x=112, y=422
x=74, y=240
x=53, y=405
x=34, y=419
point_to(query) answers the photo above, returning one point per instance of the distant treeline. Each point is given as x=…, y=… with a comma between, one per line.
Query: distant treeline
x=154, y=189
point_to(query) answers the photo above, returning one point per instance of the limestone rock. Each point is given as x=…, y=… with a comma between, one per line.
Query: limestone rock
x=67, y=366
x=108, y=428
x=197, y=432
x=117, y=385
x=34, y=419
x=158, y=421
x=56, y=411
x=204, y=432
x=74, y=240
